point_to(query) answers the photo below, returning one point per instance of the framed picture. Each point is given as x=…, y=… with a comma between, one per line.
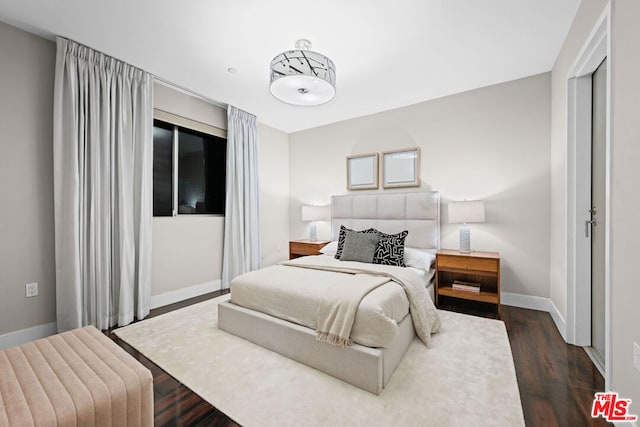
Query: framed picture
x=401, y=168
x=362, y=172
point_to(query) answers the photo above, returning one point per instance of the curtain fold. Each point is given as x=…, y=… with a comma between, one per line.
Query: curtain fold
x=103, y=178
x=241, y=247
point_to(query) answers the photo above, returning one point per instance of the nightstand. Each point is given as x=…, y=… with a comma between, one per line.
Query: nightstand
x=482, y=268
x=298, y=248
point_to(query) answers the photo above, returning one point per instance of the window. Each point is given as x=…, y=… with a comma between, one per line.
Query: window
x=189, y=169
x=162, y=169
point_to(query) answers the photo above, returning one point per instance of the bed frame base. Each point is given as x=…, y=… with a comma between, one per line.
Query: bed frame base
x=367, y=368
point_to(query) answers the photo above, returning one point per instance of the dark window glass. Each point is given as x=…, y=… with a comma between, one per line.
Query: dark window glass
x=201, y=171
x=162, y=169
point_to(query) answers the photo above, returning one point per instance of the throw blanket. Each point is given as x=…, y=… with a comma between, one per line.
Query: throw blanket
x=337, y=310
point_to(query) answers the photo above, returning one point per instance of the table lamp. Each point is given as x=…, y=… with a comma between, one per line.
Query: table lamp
x=313, y=214
x=466, y=212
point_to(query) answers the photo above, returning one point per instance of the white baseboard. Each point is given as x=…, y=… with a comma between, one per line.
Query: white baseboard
x=558, y=320
x=525, y=301
x=536, y=303
x=595, y=359
x=41, y=331
x=25, y=335
x=185, y=293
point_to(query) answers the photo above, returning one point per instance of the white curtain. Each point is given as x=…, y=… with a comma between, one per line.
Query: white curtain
x=241, y=248
x=103, y=172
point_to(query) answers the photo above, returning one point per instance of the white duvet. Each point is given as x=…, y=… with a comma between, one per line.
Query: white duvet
x=286, y=292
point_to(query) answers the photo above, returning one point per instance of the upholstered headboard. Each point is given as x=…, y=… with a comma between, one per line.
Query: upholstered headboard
x=391, y=213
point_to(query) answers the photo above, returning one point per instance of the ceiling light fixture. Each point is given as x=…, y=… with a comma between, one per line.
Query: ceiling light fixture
x=303, y=77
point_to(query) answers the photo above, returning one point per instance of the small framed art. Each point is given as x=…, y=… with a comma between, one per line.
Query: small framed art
x=401, y=168
x=362, y=172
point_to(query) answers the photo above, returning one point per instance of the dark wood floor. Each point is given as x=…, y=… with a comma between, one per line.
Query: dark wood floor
x=557, y=381
x=175, y=404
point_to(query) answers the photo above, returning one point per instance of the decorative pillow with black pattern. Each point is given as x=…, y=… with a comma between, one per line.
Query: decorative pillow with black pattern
x=342, y=235
x=390, y=249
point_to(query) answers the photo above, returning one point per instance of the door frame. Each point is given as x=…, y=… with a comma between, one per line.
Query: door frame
x=578, y=248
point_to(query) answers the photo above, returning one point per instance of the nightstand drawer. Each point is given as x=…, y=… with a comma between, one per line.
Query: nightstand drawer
x=304, y=248
x=468, y=263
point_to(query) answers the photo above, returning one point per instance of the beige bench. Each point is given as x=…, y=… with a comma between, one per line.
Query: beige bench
x=77, y=378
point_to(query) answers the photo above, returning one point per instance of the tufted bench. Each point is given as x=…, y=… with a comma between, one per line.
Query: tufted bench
x=77, y=378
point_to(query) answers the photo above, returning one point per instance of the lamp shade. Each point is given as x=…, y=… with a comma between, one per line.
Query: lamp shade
x=316, y=213
x=466, y=211
x=303, y=77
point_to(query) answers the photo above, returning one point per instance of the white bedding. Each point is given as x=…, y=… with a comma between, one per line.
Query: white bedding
x=285, y=292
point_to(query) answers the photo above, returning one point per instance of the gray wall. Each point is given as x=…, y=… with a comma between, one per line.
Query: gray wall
x=490, y=144
x=187, y=250
x=27, y=65
x=625, y=199
x=273, y=170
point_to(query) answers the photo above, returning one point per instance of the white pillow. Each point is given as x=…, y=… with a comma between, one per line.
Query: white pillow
x=330, y=249
x=418, y=259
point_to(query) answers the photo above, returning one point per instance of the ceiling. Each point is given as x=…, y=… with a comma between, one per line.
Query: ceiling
x=388, y=53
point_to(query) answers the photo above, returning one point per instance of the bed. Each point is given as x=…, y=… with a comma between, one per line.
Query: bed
x=276, y=307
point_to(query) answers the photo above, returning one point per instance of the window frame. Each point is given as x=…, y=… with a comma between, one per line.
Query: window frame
x=189, y=124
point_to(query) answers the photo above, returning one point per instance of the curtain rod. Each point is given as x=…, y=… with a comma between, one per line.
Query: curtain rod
x=183, y=89
x=160, y=80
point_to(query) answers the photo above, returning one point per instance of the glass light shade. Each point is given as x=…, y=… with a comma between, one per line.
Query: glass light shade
x=466, y=212
x=303, y=77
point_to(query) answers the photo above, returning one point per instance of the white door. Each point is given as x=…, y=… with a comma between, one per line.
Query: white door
x=598, y=212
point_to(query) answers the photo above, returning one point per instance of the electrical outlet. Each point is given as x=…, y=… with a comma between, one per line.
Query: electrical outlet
x=31, y=289
x=636, y=356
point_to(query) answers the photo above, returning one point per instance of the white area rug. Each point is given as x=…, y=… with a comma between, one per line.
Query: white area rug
x=467, y=377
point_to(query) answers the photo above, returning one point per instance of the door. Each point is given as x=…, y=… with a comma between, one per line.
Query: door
x=598, y=213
